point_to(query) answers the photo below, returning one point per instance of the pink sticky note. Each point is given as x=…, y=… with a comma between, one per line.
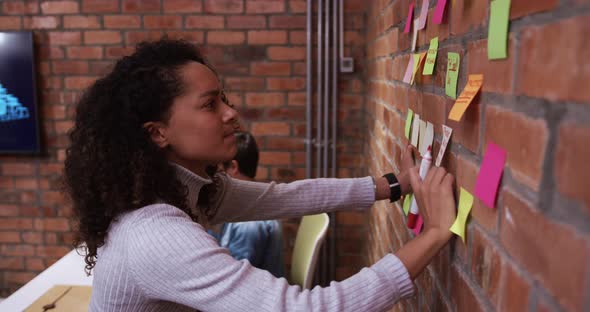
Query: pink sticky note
x=423, y=15
x=409, y=20
x=490, y=173
x=409, y=70
x=439, y=11
x=418, y=227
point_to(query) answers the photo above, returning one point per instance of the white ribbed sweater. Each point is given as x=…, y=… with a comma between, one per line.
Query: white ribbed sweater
x=157, y=259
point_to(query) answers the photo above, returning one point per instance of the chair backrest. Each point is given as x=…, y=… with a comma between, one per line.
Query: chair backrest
x=310, y=236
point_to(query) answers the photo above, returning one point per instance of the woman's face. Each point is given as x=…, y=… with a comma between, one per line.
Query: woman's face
x=200, y=131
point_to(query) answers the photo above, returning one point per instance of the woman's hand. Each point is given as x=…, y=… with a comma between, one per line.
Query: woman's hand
x=407, y=163
x=435, y=200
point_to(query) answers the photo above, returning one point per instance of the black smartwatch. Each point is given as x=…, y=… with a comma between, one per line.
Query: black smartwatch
x=395, y=189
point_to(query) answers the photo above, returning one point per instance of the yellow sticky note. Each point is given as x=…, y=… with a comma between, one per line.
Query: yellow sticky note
x=419, y=58
x=465, y=203
x=407, y=203
x=473, y=85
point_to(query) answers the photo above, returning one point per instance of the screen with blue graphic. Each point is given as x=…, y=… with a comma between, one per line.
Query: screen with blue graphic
x=19, y=131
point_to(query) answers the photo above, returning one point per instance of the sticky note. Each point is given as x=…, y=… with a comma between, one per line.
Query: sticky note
x=490, y=173
x=418, y=228
x=465, y=204
x=470, y=91
x=498, y=30
x=418, y=59
x=439, y=11
x=415, y=130
x=409, y=19
x=422, y=135
x=415, y=35
x=427, y=139
x=447, y=131
x=409, y=70
x=409, y=123
x=423, y=14
x=431, y=58
x=453, y=61
x=407, y=203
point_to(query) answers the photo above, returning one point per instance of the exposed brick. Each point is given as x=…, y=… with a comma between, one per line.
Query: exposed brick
x=244, y=83
x=267, y=37
x=284, y=143
x=275, y=158
x=467, y=16
x=520, y=8
x=533, y=51
x=102, y=37
x=466, y=132
x=20, y=278
x=78, y=82
x=11, y=263
x=26, y=183
x=265, y=99
x=486, y=265
x=40, y=22
x=141, y=6
x=18, y=169
x=498, y=75
x=264, y=6
x=86, y=22
x=70, y=67
x=526, y=150
x=100, y=6
x=83, y=52
x=162, y=22
x=9, y=237
x=34, y=264
x=246, y=22
x=289, y=84
x=513, y=291
x=225, y=37
x=51, y=197
x=20, y=7
x=286, y=53
x=10, y=22
x=34, y=238
x=270, y=68
x=51, y=251
x=17, y=250
x=183, y=6
x=270, y=128
x=224, y=6
x=121, y=21
x=571, y=171
x=134, y=37
x=206, y=22
x=544, y=248
x=296, y=98
x=462, y=295
x=297, y=6
x=291, y=22
x=59, y=7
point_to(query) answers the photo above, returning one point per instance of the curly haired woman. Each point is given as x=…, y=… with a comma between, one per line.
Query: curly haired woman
x=137, y=174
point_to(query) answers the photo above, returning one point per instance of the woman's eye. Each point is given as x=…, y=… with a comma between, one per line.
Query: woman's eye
x=210, y=104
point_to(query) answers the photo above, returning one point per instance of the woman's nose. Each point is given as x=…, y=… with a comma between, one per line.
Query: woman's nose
x=229, y=113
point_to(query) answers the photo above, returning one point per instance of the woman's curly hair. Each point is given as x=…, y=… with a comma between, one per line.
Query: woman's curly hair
x=112, y=166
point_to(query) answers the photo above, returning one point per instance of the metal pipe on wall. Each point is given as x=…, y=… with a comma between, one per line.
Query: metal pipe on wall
x=319, y=94
x=308, y=125
x=325, y=141
x=333, y=145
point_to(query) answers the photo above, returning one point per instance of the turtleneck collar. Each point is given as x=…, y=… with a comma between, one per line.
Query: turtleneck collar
x=192, y=181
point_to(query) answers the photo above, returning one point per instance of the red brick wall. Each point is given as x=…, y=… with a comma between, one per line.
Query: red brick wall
x=258, y=47
x=532, y=252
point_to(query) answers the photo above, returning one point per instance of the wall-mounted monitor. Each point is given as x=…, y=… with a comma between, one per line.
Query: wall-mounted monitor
x=19, y=125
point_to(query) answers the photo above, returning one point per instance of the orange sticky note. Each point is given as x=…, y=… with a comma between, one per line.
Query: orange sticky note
x=473, y=85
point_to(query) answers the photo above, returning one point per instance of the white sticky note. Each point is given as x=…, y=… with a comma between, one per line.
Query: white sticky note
x=428, y=138
x=415, y=34
x=447, y=132
x=422, y=139
x=415, y=130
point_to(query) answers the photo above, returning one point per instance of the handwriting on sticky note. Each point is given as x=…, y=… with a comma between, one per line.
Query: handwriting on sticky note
x=415, y=130
x=407, y=203
x=431, y=58
x=427, y=139
x=415, y=35
x=465, y=204
x=423, y=14
x=447, y=131
x=409, y=123
x=490, y=173
x=453, y=61
x=473, y=85
x=418, y=228
x=409, y=19
x=409, y=70
x=498, y=30
x=439, y=11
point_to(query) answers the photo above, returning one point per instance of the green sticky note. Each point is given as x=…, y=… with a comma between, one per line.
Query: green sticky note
x=407, y=203
x=409, y=122
x=431, y=58
x=452, y=74
x=465, y=203
x=498, y=29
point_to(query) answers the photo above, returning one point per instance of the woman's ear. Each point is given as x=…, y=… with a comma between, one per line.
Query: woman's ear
x=156, y=131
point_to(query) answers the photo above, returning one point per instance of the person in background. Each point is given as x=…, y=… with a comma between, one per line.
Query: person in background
x=260, y=242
